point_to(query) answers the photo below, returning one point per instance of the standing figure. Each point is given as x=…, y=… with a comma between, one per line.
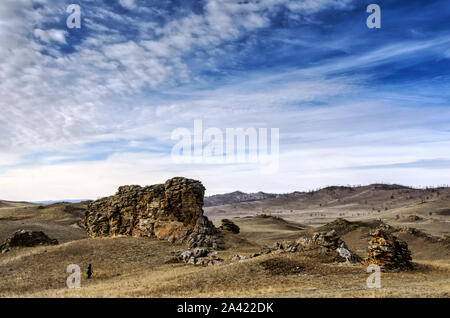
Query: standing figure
x=89, y=271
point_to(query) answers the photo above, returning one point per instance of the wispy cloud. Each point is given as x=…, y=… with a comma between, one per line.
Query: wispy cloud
x=76, y=104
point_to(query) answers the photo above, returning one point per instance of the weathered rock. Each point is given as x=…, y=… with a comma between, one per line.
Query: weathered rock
x=230, y=226
x=329, y=243
x=200, y=256
x=186, y=255
x=285, y=246
x=388, y=252
x=23, y=238
x=329, y=240
x=205, y=234
x=171, y=211
x=200, y=252
x=350, y=258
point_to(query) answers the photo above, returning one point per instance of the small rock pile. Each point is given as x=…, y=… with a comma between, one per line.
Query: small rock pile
x=23, y=238
x=239, y=257
x=286, y=246
x=329, y=243
x=205, y=234
x=229, y=226
x=328, y=240
x=388, y=252
x=198, y=256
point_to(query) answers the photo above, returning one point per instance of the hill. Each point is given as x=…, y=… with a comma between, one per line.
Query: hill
x=236, y=197
x=142, y=267
x=423, y=208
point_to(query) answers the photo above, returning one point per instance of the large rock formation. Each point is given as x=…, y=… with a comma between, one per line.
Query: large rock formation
x=24, y=238
x=388, y=252
x=171, y=211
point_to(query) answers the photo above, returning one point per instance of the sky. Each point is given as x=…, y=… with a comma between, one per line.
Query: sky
x=86, y=110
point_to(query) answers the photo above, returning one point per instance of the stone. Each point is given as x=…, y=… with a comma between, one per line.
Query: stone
x=171, y=211
x=200, y=256
x=388, y=252
x=350, y=258
x=23, y=238
x=186, y=255
x=200, y=252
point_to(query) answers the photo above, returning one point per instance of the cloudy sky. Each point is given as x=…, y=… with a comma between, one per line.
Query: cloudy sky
x=83, y=111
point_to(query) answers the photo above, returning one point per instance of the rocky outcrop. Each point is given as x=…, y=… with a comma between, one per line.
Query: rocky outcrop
x=23, y=238
x=171, y=211
x=229, y=226
x=197, y=256
x=388, y=252
x=323, y=243
x=329, y=243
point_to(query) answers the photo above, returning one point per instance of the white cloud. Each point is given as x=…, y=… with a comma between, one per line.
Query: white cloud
x=58, y=103
x=48, y=36
x=129, y=4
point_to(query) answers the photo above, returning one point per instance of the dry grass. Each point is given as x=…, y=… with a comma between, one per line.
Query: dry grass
x=137, y=267
x=133, y=267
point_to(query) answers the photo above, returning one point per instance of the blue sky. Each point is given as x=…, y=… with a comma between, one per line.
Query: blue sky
x=83, y=111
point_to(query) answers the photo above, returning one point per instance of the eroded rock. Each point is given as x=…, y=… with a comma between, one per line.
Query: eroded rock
x=199, y=256
x=171, y=211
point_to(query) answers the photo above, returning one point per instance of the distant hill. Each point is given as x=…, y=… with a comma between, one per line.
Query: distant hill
x=236, y=197
x=13, y=204
x=391, y=202
x=330, y=192
x=61, y=201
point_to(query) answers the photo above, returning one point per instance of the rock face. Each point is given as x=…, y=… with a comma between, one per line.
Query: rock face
x=230, y=226
x=388, y=252
x=24, y=238
x=172, y=211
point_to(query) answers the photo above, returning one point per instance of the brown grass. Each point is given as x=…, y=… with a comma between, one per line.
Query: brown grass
x=138, y=267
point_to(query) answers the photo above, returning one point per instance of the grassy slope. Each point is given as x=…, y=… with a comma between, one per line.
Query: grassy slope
x=136, y=267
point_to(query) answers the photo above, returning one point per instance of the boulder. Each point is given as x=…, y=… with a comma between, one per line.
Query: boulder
x=23, y=238
x=171, y=211
x=350, y=258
